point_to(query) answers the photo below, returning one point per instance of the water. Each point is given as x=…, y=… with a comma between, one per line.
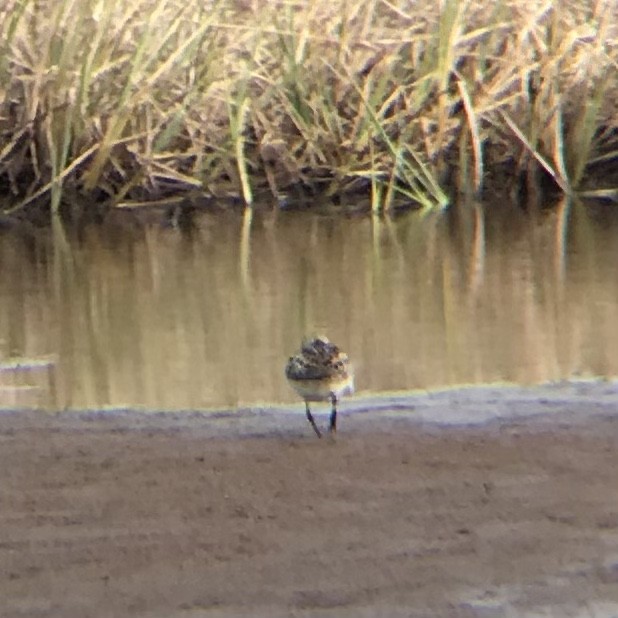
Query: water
x=155, y=317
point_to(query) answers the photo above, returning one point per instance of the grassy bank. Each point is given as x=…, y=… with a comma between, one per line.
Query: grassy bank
x=126, y=101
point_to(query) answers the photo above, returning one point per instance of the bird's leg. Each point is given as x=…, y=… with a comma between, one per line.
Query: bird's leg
x=333, y=414
x=310, y=419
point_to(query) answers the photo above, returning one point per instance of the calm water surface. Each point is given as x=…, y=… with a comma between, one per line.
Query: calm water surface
x=156, y=317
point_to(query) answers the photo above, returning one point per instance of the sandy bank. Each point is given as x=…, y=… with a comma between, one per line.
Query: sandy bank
x=130, y=515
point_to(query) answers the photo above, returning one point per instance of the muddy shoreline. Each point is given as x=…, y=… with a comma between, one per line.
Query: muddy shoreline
x=406, y=513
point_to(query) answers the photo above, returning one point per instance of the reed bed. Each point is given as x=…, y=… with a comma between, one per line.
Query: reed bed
x=126, y=102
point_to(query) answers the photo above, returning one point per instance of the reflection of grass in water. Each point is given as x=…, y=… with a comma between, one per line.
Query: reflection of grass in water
x=156, y=318
x=149, y=98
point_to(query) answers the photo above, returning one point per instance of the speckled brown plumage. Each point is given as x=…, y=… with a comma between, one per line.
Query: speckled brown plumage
x=320, y=372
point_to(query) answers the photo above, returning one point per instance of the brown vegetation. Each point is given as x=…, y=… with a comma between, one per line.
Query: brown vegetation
x=142, y=100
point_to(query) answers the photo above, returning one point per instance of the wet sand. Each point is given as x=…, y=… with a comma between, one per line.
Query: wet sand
x=130, y=515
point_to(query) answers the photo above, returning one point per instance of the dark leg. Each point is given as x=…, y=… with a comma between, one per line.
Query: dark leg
x=310, y=419
x=333, y=415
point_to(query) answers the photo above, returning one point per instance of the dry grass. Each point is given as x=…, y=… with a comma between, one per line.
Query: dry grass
x=126, y=101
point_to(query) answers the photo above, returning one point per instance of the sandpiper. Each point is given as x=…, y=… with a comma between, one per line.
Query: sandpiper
x=320, y=372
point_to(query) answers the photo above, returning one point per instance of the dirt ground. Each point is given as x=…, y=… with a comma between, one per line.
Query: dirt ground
x=102, y=517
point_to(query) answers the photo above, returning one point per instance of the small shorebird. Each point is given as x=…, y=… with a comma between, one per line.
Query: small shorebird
x=320, y=372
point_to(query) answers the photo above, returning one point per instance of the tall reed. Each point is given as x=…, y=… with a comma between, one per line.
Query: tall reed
x=126, y=102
